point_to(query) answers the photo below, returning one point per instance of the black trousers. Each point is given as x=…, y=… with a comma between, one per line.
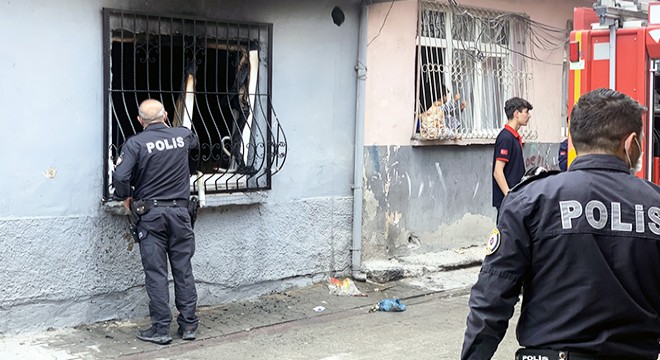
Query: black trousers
x=166, y=233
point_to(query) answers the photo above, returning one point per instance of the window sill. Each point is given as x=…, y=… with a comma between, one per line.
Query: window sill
x=460, y=142
x=211, y=201
x=243, y=198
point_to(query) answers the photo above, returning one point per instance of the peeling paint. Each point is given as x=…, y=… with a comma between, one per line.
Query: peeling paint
x=442, y=179
x=393, y=218
x=453, y=235
x=50, y=173
x=392, y=212
x=391, y=223
x=409, y=185
x=373, y=151
x=370, y=207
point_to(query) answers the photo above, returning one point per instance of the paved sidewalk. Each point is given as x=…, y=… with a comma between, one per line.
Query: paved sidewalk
x=240, y=321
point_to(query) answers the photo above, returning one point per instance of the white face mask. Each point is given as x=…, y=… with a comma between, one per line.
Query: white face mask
x=634, y=169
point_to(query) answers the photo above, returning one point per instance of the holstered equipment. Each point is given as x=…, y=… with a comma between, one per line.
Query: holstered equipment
x=141, y=207
x=193, y=206
x=138, y=208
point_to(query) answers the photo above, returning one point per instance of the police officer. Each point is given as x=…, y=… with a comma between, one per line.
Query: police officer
x=562, y=155
x=584, y=247
x=153, y=171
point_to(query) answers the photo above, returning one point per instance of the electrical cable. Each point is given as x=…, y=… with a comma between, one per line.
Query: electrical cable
x=544, y=39
x=383, y=24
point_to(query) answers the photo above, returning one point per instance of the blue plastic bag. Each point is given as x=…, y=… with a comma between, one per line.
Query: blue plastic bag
x=391, y=305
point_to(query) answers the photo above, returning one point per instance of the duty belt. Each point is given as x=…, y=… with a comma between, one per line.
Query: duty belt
x=547, y=354
x=167, y=203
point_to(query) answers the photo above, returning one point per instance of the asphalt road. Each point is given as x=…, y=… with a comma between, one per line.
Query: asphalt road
x=286, y=326
x=432, y=327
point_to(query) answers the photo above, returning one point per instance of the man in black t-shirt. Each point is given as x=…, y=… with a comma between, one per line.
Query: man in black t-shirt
x=508, y=162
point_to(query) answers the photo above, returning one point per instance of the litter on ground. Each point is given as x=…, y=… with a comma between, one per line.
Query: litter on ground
x=344, y=287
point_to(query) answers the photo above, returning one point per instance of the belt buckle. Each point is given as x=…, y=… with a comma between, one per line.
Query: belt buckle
x=541, y=354
x=174, y=202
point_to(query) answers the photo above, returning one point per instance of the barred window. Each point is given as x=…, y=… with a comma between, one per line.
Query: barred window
x=214, y=75
x=468, y=63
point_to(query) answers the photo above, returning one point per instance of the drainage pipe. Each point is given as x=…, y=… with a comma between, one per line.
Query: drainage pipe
x=361, y=74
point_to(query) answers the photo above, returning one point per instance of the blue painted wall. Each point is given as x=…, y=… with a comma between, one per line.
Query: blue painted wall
x=66, y=260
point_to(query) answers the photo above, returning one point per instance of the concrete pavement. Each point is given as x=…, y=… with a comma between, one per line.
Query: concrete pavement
x=286, y=326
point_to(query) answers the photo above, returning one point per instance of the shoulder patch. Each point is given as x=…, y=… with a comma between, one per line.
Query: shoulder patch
x=493, y=242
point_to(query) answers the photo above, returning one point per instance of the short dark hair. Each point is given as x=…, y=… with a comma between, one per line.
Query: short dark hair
x=602, y=117
x=516, y=103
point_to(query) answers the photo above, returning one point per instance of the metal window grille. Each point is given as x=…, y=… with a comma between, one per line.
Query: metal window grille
x=469, y=62
x=215, y=74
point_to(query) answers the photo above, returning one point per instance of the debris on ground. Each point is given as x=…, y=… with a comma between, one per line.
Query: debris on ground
x=390, y=305
x=344, y=287
x=319, y=308
x=383, y=289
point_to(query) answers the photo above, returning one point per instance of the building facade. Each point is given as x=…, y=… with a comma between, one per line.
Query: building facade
x=289, y=98
x=433, y=193
x=75, y=73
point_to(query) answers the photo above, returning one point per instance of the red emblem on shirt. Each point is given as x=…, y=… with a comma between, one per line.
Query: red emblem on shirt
x=504, y=152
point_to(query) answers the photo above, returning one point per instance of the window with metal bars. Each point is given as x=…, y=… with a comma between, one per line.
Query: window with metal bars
x=468, y=63
x=215, y=75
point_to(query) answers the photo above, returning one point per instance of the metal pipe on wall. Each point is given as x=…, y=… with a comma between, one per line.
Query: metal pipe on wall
x=360, y=74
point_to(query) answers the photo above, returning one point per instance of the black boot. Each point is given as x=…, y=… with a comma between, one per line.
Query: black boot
x=187, y=334
x=155, y=335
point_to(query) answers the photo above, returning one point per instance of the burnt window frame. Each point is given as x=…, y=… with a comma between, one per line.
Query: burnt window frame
x=266, y=146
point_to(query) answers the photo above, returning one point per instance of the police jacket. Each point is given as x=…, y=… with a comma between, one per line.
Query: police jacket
x=155, y=163
x=584, y=246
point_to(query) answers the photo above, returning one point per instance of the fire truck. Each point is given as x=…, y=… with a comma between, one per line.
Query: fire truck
x=616, y=44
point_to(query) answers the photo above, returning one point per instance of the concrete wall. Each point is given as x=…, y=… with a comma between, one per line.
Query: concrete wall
x=438, y=197
x=66, y=260
x=432, y=198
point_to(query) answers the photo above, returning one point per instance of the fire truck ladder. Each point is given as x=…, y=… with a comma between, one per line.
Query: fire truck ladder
x=613, y=14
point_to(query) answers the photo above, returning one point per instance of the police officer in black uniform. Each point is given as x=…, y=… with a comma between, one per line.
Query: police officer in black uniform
x=152, y=173
x=584, y=247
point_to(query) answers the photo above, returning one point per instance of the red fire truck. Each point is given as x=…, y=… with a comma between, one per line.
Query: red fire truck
x=616, y=44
